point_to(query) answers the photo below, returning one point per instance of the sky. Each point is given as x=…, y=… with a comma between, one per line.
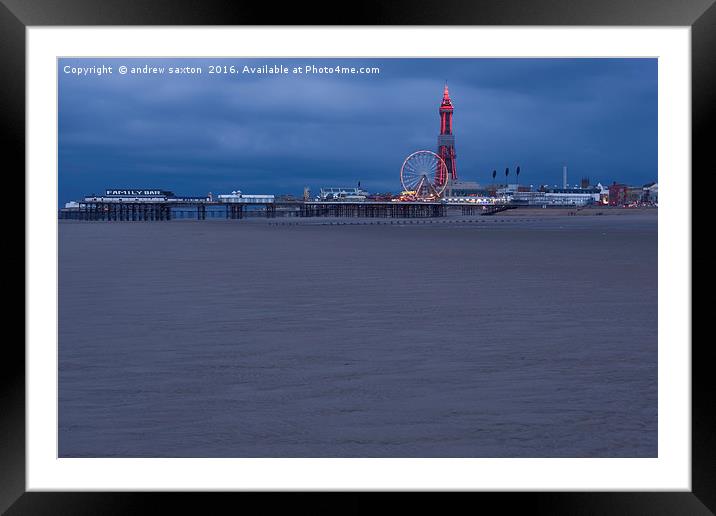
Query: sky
x=277, y=133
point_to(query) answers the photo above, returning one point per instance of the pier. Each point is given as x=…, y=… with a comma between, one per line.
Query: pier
x=160, y=211
x=473, y=209
x=200, y=209
x=374, y=209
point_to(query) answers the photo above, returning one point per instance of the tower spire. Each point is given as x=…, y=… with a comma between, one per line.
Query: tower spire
x=446, y=139
x=446, y=95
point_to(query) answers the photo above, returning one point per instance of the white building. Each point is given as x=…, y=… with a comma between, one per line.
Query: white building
x=508, y=189
x=651, y=193
x=568, y=198
x=603, y=193
x=237, y=196
x=464, y=189
x=342, y=194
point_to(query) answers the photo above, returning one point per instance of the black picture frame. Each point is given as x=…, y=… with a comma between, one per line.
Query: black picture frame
x=16, y=15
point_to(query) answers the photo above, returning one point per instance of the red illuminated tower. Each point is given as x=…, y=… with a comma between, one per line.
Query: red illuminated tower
x=446, y=140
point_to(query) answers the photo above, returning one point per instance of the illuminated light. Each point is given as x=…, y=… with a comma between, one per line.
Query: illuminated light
x=446, y=150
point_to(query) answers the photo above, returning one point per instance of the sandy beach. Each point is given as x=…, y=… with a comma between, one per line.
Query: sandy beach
x=585, y=211
x=505, y=336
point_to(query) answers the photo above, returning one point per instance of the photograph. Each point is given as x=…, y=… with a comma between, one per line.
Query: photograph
x=348, y=257
x=421, y=250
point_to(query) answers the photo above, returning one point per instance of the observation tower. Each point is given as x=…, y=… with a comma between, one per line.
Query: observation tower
x=446, y=140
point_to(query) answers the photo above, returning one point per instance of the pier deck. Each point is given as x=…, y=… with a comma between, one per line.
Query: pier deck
x=201, y=210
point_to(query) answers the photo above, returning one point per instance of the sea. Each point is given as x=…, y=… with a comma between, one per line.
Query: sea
x=468, y=337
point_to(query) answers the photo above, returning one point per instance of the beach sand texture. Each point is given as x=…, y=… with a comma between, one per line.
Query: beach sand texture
x=533, y=338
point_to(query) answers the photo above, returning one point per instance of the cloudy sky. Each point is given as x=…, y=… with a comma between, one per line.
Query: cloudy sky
x=277, y=133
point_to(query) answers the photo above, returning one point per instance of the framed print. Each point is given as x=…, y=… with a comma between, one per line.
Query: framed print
x=423, y=253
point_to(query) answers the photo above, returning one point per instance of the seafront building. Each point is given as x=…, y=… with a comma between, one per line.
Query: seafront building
x=465, y=189
x=557, y=197
x=237, y=196
x=651, y=192
x=342, y=194
x=625, y=195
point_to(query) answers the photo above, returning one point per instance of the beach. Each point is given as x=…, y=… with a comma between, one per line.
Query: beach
x=521, y=334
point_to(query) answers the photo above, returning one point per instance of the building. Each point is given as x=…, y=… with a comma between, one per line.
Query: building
x=380, y=196
x=136, y=195
x=557, y=197
x=624, y=195
x=634, y=195
x=342, y=194
x=603, y=194
x=237, y=197
x=651, y=193
x=510, y=189
x=618, y=194
x=465, y=189
x=446, y=139
x=546, y=196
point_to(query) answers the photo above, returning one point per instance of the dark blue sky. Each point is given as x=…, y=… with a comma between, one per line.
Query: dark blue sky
x=278, y=133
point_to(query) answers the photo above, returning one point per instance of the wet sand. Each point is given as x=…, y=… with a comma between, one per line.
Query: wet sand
x=504, y=337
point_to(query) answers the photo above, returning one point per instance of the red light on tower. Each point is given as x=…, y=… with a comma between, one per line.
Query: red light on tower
x=446, y=140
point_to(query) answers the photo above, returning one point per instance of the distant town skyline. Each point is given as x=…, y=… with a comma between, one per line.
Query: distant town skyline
x=263, y=132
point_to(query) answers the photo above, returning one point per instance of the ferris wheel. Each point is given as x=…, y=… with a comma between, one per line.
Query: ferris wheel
x=424, y=175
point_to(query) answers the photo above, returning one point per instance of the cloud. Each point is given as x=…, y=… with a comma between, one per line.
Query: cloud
x=279, y=133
